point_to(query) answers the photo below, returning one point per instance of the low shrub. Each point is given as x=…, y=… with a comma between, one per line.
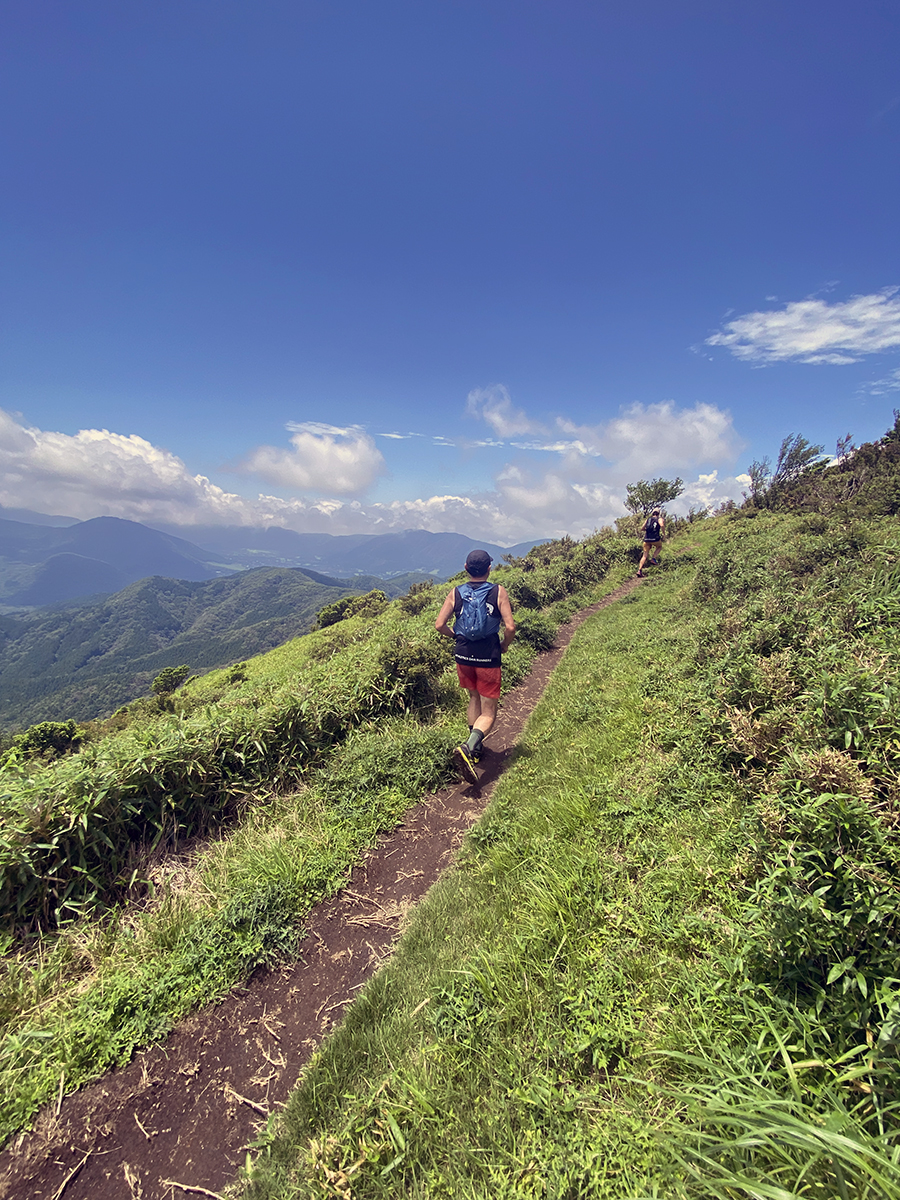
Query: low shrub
x=47, y=740
x=415, y=667
x=372, y=604
x=827, y=903
x=332, y=613
x=416, y=599
x=169, y=680
x=536, y=630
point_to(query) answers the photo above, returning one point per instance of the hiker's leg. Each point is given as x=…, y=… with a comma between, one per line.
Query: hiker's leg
x=645, y=557
x=482, y=708
x=487, y=714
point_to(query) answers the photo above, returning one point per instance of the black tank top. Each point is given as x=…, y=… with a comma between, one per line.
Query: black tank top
x=486, y=651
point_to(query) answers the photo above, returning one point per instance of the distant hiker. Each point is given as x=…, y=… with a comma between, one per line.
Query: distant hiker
x=480, y=608
x=653, y=531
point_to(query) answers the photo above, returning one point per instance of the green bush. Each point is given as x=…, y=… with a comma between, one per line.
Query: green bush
x=828, y=905
x=415, y=667
x=49, y=739
x=169, y=680
x=536, y=630
x=332, y=613
x=416, y=599
x=372, y=604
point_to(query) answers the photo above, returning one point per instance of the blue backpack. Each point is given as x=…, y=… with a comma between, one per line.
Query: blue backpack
x=477, y=611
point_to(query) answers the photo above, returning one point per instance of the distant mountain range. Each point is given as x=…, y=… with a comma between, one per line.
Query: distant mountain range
x=87, y=661
x=67, y=561
x=43, y=564
x=384, y=554
x=95, y=609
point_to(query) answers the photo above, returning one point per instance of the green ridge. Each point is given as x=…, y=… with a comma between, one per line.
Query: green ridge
x=666, y=965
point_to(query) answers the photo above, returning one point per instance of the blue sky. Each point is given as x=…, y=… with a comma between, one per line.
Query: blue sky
x=454, y=265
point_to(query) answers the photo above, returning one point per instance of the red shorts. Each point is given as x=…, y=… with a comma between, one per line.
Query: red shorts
x=483, y=680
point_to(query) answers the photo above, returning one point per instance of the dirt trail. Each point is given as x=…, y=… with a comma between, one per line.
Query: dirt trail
x=176, y=1121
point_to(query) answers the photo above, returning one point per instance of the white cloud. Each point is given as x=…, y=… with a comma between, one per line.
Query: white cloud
x=881, y=387
x=584, y=488
x=642, y=439
x=494, y=405
x=813, y=331
x=325, y=458
x=96, y=473
x=646, y=439
x=709, y=491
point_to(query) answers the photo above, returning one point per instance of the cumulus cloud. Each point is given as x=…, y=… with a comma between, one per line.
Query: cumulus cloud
x=96, y=471
x=581, y=487
x=641, y=438
x=647, y=439
x=709, y=491
x=813, y=331
x=494, y=405
x=326, y=458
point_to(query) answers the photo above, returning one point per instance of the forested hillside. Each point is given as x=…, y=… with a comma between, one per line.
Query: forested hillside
x=83, y=662
x=42, y=564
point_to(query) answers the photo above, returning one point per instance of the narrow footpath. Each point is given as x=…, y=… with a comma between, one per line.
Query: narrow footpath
x=178, y=1120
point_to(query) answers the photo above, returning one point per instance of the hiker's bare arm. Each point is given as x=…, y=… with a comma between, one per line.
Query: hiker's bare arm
x=444, y=616
x=509, y=625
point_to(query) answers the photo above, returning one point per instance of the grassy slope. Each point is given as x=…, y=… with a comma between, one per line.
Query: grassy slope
x=82, y=998
x=664, y=966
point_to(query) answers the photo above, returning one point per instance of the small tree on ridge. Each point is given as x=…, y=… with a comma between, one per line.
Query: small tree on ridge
x=645, y=495
x=169, y=680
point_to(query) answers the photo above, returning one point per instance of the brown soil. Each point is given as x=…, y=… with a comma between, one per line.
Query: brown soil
x=177, y=1120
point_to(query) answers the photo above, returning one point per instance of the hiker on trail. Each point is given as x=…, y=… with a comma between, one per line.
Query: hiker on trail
x=480, y=608
x=653, y=531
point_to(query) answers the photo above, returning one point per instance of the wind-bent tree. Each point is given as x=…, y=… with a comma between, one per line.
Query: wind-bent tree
x=795, y=458
x=645, y=495
x=760, y=472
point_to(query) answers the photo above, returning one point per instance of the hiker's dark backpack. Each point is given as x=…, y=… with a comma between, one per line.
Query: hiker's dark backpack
x=477, y=610
x=651, y=530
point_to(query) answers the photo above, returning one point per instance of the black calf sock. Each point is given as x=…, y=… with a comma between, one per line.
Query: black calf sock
x=475, y=738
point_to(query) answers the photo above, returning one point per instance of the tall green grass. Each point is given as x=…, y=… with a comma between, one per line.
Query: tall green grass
x=70, y=830
x=73, y=833
x=291, y=821
x=493, y=1055
x=666, y=964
